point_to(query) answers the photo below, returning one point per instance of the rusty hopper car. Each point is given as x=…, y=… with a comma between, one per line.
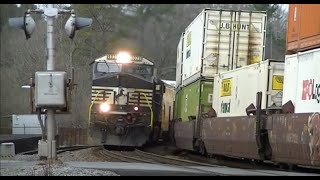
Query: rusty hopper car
x=126, y=101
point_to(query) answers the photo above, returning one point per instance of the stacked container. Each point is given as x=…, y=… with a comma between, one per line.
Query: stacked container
x=303, y=30
x=302, y=65
x=302, y=81
x=216, y=41
x=235, y=90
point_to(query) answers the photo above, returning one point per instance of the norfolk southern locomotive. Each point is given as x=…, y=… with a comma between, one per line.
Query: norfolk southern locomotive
x=126, y=100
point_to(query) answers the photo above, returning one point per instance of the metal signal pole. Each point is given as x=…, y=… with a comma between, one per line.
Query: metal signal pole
x=46, y=86
x=52, y=153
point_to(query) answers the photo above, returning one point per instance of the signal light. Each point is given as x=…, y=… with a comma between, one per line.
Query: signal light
x=76, y=23
x=28, y=24
x=25, y=23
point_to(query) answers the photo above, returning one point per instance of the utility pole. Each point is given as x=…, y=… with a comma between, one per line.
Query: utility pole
x=47, y=82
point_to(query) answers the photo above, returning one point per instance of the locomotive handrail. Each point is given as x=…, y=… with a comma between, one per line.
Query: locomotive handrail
x=151, y=112
x=89, y=119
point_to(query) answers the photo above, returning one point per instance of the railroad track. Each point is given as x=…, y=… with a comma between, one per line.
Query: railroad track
x=247, y=164
x=120, y=156
x=171, y=160
x=63, y=149
x=145, y=157
x=187, y=163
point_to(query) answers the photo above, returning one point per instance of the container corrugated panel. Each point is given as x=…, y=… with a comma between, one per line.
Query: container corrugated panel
x=303, y=30
x=235, y=90
x=290, y=78
x=218, y=41
x=304, y=89
x=188, y=98
x=179, y=62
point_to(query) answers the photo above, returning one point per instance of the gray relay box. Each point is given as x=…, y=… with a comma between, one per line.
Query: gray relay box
x=50, y=87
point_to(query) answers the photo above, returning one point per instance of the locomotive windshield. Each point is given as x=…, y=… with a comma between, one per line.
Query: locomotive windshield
x=139, y=69
x=108, y=68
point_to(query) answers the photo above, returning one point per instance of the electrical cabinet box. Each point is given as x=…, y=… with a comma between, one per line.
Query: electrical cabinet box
x=50, y=89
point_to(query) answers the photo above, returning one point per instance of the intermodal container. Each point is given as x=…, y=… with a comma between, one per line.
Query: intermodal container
x=235, y=90
x=192, y=99
x=303, y=30
x=302, y=81
x=221, y=40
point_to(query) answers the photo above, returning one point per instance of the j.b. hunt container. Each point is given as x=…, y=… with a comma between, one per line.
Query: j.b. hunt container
x=218, y=41
x=235, y=90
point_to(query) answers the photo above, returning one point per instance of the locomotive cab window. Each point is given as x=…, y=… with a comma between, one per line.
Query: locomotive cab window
x=107, y=68
x=144, y=70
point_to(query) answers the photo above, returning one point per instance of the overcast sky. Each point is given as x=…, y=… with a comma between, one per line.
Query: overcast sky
x=285, y=6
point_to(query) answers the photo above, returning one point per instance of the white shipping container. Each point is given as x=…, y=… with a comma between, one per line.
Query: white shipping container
x=302, y=81
x=235, y=90
x=26, y=124
x=290, y=79
x=179, y=62
x=222, y=40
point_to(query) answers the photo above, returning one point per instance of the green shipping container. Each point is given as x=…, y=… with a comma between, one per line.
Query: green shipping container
x=187, y=99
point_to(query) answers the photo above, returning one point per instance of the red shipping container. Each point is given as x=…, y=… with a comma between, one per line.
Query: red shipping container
x=303, y=30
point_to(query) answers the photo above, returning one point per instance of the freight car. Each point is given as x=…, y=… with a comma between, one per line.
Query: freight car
x=285, y=139
x=282, y=126
x=287, y=134
x=259, y=112
x=126, y=101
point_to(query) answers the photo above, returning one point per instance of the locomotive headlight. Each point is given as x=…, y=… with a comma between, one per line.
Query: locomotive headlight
x=123, y=58
x=136, y=108
x=104, y=107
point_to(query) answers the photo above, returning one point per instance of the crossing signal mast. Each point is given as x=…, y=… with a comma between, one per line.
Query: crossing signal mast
x=50, y=86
